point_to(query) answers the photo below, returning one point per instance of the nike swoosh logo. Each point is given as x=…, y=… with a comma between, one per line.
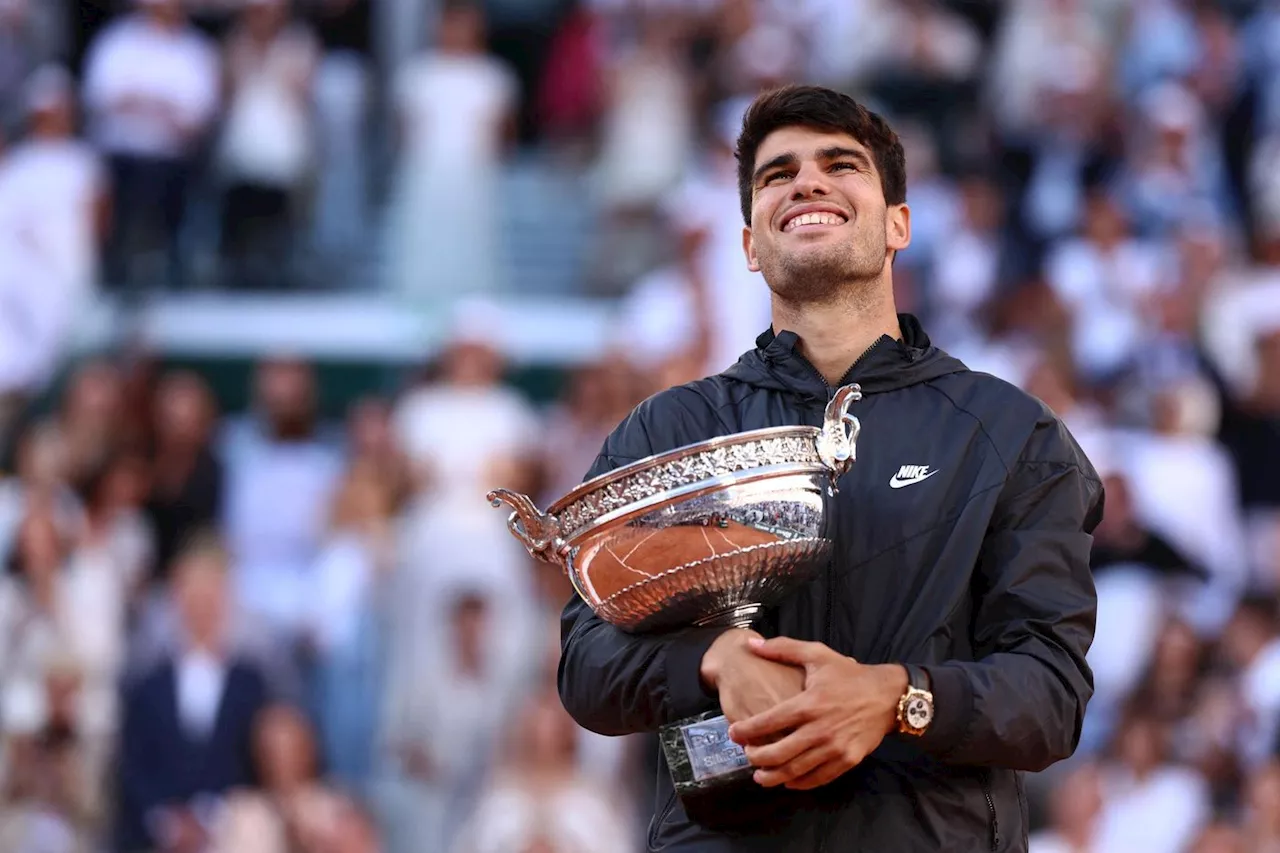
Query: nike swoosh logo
x=895, y=483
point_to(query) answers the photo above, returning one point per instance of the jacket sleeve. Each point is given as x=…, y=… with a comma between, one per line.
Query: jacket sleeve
x=616, y=683
x=1022, y=703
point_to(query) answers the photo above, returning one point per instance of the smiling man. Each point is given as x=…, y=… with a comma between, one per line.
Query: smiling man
x=900, y=694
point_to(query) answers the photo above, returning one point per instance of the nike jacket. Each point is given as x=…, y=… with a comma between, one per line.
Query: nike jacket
x=962, y=538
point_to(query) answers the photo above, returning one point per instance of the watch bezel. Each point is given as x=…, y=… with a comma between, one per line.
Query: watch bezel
x=912, y=694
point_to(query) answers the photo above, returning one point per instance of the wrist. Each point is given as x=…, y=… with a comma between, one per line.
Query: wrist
x=896, y=682
x=732, y=641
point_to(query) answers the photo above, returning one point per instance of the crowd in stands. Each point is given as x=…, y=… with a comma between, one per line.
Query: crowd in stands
x=272, y=630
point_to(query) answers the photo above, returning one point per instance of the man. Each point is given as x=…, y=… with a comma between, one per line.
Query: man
x=960, y=580
x=151, y=96
x=186, y=738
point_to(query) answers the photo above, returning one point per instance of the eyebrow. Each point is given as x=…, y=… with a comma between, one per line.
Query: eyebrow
x=789, y=158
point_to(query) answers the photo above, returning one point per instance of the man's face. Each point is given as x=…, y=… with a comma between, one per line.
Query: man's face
x=818, y=215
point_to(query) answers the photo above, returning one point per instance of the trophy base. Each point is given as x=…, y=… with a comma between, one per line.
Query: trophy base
x=741, y=616
x=701, y=757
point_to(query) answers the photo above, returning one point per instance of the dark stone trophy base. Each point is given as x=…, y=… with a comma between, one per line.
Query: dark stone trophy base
x=701, y=757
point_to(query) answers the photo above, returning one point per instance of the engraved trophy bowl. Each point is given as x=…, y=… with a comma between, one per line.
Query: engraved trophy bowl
x=707, y=534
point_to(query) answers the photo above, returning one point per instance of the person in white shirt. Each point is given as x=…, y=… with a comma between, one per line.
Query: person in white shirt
x=53, y=206
x=281, y=474
x=151, y=95
x=468, y=433
x=1149, y=803
x=455, y=109
x=266, y=152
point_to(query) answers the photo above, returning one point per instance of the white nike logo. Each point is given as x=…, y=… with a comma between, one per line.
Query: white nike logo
x=909, y=475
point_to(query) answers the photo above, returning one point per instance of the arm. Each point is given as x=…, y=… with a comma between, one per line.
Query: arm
x=617, y=683
x=142, y=784
x=1022, y=703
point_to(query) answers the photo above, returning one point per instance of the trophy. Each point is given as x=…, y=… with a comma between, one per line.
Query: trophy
x=708, y=534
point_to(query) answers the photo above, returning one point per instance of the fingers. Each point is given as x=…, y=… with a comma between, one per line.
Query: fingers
x=779, y=719
x=782, y=751
x=787, y=650
x=798, y=767
x=821, y=775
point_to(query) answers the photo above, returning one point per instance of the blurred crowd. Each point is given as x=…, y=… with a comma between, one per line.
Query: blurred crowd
x=271, y=631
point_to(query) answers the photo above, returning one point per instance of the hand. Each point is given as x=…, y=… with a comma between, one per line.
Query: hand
x=747, y=683
x=843, y=713
x=182, y=832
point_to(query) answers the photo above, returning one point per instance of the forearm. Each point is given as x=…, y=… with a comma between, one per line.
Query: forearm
x=615, y=683
x=1008, y=710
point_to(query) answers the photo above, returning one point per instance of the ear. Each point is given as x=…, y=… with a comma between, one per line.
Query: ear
x=897, y=227
x=749, y=249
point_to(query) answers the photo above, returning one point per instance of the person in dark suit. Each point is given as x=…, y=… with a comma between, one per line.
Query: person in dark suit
x=188, y=722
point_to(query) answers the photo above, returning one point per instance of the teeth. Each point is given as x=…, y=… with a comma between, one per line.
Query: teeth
x=814, y=219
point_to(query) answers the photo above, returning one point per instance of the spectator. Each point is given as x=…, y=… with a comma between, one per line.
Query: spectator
x=374, y=447
x=90, y=417
x=53, y=198
x=1103, y=277
x=281, y=472
x=58, y=607
x=187, y=478
x=455, y=111
x=52, y=795
x=1176, y=170
x=1148, y=802
x=447, y=701
x=539, y=801
x=1250, y=423
x=293, y=810
x=117, y=534
x=1019, y=73
x=350, y=598
x=1074, y=809
x=186, y=738
x=21, y=52
x=969, y=277
x=344, y=86
x=1251, y=642
x=456, y=468
x=41, y=481
x=648, y=127
x=267, y=147
x=597, y=399
x=151, y=91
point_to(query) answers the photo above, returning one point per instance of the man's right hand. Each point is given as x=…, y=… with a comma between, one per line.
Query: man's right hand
x=746, y=683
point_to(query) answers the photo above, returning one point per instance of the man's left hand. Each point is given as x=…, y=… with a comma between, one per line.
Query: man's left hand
x=843, y=713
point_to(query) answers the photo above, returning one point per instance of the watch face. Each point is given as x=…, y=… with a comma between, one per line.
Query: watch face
x=919, y=712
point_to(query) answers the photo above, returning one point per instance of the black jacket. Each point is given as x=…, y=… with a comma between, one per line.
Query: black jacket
x=979, y=574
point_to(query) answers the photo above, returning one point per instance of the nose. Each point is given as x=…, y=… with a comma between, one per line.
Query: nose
x=809, y=181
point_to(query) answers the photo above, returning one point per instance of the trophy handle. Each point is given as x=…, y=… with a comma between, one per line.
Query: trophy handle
x=537, y=531
x=838, y=440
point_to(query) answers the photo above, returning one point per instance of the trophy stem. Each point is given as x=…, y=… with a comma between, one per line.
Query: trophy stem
x=734, y=617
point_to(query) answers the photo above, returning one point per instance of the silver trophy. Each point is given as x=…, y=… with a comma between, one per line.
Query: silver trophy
x=708, y=534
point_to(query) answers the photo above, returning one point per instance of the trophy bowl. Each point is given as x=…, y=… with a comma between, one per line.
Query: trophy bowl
x=707, y=534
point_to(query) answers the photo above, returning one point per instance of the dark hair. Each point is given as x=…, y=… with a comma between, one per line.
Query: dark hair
x=821, y=109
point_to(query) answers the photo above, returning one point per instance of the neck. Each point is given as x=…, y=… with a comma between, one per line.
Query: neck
x=834, y=334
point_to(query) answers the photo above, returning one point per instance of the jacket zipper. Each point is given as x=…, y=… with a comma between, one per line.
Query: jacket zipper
x=848, y=374
x=991, y=810
x=825, y=824
x=655, y=828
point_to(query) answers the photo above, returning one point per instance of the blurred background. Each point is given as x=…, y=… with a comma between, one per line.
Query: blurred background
x=287, y=285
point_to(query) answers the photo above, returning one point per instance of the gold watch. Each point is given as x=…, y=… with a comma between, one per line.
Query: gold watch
x=915, y=708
